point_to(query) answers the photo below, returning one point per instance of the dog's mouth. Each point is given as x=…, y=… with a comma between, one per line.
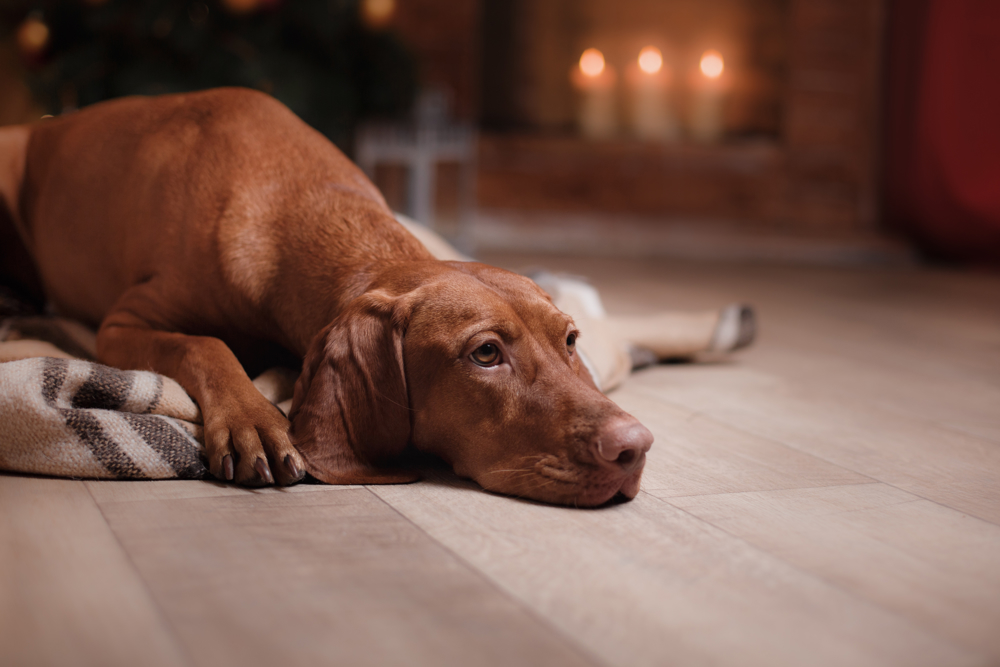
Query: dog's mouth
x=557, y=480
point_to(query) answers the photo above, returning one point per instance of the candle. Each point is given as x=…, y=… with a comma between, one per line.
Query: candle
x=709, y=90
x=595, y=81
x=649, y=81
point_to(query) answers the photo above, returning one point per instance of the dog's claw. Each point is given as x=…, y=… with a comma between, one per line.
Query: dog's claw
x=247, y=442
x=293, y=469
x=263, y=471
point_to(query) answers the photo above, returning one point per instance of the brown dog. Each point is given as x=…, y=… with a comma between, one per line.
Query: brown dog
x=202, y=230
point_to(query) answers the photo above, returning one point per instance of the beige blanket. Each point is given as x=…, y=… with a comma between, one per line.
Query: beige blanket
x=75, y=418
x=63, y=414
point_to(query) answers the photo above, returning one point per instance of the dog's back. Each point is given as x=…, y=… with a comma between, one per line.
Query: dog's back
x=214, y=188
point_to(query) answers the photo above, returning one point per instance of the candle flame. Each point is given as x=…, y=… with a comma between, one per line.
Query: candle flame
x=712, y=64
x=650, y=60
x=592, y=62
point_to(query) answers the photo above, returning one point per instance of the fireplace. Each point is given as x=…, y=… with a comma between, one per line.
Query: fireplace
x=796, y=152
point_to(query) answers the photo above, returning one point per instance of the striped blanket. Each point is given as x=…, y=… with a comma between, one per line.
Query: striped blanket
x=75, y=418
x=65, y=415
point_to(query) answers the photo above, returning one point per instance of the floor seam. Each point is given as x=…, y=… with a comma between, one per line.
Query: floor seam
x=781, y=443
x=520, y=604
x=167, y=624
x=791, y=488
x=916, y=625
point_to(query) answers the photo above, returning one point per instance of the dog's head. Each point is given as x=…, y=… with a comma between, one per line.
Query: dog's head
x=473, y=364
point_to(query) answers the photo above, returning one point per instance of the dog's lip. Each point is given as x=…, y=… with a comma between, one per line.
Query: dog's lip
x=593, y=487
x=627, y=485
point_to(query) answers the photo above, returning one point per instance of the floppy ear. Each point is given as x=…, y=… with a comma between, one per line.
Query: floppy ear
x=350, y=414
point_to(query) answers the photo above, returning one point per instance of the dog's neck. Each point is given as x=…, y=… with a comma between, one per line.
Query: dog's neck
x=311, y=301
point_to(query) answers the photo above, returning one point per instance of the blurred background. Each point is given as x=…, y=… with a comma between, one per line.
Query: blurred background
x=822, y=131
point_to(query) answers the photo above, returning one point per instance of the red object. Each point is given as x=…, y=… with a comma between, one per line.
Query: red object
x=943, y=126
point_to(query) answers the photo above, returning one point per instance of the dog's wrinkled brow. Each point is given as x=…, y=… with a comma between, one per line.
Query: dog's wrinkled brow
x=506, y=330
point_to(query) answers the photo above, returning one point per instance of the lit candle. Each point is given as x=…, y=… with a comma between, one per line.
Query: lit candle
x=709, y=89
x=649, y=81
x=595, y=81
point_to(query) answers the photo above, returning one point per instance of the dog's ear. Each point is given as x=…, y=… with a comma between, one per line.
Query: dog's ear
x=350, y=415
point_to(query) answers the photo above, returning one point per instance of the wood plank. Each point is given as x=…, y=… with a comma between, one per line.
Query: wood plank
x=694, y=454
x=68, y=593
x=107, y=491
x=328, y=576
x=644, y=583
x=954, y=469
x=927, y=351
x=961, y=404
x=928, y=563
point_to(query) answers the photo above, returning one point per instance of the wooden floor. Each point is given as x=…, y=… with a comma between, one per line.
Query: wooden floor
x=829, y=497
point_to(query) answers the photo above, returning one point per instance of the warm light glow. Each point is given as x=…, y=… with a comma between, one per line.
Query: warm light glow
x=592, y=62
x=712, y=64
x=650, y=60
x=32, y=36
x=238, y=6
x=377, y=13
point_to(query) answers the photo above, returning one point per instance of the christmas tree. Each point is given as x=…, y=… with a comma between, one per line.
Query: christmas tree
x=330, y=61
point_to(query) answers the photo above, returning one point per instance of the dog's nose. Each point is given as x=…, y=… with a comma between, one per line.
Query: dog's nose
x=623, y=442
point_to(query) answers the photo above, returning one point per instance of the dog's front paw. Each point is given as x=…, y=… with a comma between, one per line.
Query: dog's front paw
x=247, y=442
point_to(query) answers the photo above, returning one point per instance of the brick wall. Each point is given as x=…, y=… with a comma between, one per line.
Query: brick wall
x=803, y=121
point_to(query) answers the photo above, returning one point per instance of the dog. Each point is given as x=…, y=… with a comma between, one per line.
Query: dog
x=201, y=232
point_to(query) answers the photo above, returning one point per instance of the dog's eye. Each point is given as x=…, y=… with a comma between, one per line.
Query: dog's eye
x=486, y=355
x=571, y=340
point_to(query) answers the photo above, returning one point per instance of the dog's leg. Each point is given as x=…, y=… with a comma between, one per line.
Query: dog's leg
x=246, y=437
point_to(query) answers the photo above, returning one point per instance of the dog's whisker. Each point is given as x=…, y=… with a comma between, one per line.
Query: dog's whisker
x=521, y=470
